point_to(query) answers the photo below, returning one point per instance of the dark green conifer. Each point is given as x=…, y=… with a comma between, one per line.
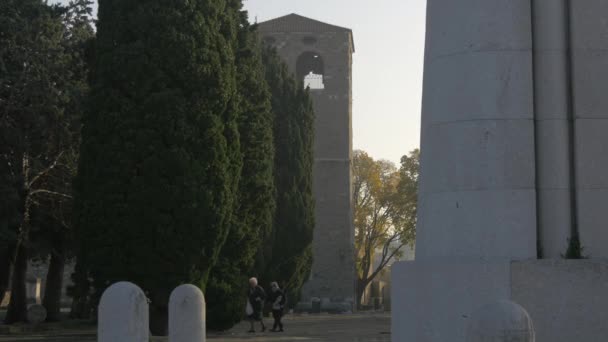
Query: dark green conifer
x=160, y=154
x=252, y=220
x=287, y=253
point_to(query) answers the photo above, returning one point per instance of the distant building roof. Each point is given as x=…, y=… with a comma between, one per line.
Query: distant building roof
x=297, y=23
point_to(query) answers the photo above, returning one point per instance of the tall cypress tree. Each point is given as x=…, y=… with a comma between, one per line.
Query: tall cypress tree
x=160, y=156
x=255, y=203
x=287, y=253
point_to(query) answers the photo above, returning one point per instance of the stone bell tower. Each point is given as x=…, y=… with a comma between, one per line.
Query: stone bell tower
x=320, y=56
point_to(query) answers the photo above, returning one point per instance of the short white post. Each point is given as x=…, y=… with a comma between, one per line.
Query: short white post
x=187, y=314
x=123, y=314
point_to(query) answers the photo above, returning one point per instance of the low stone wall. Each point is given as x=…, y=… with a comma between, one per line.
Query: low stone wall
x=320, y=305
x=566, y=299
x=433, y=300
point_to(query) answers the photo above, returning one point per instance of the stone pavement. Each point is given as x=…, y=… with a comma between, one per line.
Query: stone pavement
x=306, y=328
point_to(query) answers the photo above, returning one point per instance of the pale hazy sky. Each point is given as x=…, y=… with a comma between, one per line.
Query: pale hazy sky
x=387, y=65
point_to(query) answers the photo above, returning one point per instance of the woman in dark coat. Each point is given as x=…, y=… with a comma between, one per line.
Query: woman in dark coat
x=256, y=297
x=277, y=299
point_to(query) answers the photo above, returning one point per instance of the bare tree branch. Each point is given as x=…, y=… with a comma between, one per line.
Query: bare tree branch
x=49, y=192
x=382, y=265
x=45, y=171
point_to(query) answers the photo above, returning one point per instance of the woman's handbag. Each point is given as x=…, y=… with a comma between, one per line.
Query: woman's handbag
x=249, y=308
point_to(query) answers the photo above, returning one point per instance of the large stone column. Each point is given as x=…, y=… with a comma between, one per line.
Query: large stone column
x=477, y=196
x=514, y=163
x=477, y=185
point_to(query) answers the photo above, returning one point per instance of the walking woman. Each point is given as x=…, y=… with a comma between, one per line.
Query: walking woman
x=256, y=298
x=277, y=299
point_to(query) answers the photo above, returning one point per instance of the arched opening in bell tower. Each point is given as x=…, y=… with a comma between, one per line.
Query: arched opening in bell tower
x=310, y=69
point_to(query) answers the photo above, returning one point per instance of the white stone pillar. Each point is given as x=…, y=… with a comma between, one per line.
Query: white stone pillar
x=187, y=314
x=123, y=314
x=553, y=132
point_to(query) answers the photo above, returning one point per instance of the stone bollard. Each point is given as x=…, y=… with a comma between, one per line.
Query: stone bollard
x=503, y=321
x=187, y=314
x=123, y=314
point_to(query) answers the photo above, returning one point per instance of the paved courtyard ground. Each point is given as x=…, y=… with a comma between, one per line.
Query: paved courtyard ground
x=306, y=328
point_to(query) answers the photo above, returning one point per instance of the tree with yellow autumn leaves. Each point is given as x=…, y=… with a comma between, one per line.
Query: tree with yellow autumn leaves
x=384, y=212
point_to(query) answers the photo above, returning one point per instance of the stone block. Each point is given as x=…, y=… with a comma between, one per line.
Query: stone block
x=551, y=91
x=592, y=153
x=554, y=211
x=592, y=169
x=590, y=78
x=589, y=25
x=481, y=224
x=566, y=299
x=479, y=155
x=433, y=300
x=550, y=20
x=552, y=144
x=593, y=222
x=463, y=26
x=483, y=85
x=501, y=321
